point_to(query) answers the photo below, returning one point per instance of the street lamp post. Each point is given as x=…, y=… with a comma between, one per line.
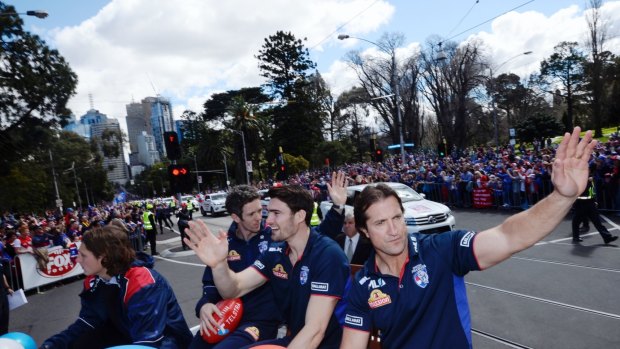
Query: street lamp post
x=58, y=200
x=225, y=170
x=394, y=84
x=493, y=94
x=197, y=175
x=77, y=190
x=35, y=13
x=245, y=158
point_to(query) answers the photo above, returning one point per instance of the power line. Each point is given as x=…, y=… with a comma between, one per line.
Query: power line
x=487, y=21
x=463, y=18
x=345, y=23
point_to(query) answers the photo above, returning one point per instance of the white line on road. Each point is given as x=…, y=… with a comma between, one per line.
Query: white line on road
x=567, y=264
x=179, y=262
x=548, y=301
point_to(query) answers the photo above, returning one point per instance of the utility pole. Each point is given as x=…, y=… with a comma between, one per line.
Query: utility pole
x=58, y=201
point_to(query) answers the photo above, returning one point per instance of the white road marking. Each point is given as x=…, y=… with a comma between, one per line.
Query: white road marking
x=548, y=301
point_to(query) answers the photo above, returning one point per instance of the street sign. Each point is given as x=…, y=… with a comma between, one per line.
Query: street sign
x=248, y=166
x=512, y=132
x=58, y=202
x=199, y=179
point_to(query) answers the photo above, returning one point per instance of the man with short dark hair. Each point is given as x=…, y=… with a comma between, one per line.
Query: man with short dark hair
x=307, y=270
x=412, y=288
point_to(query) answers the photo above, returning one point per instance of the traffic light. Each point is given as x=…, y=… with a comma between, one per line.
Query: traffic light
x=180, y=178
x=441, y=150
x=173, y=147
x=379, y=155
x=281, y=172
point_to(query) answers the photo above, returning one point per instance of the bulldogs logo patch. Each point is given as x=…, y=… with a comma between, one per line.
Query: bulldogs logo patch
x=262, y=246
x=420, y=275
x=303, y=275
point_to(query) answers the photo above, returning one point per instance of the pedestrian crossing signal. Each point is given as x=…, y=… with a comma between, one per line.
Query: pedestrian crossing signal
x=173, y=147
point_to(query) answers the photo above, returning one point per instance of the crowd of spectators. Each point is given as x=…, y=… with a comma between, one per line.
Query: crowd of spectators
x=35, y=233
x=517, y=176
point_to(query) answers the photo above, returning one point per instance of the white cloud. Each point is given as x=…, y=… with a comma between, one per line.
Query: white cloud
x=510, y=36
x=188, y=48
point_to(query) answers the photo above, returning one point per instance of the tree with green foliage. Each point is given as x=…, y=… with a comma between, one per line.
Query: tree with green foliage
x=298, y=125
x=35, y=85
x=284, y=62
x=538, y=126
x=565, y=68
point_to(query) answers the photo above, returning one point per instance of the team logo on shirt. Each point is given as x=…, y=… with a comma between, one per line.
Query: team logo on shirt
x=378, y=299
x=303, y=276
x=279, y=272
x=259, y=265
x=420, y=275
x=319, y=286
x=262, y=246
x=233, y=256
x=376, y=284
x=466, y=239
x=254, y=332
x=414, y=241
x=353, y=320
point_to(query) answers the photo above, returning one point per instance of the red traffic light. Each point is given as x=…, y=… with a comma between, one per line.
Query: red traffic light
x=178, y=170
x=282, y=168
x=379, y=151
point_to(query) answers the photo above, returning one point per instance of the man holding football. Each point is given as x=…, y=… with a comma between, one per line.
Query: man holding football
x=247, y=240
x=412, y=287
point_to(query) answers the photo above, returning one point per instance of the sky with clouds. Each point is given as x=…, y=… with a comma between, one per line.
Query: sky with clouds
x=124, y=50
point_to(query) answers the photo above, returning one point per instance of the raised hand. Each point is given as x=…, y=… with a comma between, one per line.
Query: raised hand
x=338, y=188
x=211, y=249
x=570, y=168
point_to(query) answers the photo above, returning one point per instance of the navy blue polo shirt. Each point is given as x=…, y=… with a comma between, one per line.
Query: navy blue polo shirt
x=259, y=304
x=322, y=270
x=426, y=307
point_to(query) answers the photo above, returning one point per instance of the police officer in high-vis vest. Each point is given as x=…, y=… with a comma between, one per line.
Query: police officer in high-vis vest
x=585, y=208
x=315, y=220
x=148, y=222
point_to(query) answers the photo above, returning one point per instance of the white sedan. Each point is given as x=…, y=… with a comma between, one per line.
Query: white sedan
x=421, y=215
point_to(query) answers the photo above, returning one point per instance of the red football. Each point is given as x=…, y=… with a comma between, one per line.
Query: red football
x=232, y=310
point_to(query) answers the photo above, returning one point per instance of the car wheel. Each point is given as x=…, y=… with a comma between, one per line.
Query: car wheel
x=212, y=212
x=202, y=211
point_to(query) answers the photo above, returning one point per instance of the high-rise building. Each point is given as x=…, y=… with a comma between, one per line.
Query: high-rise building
x=95, y=124
x=152, y=115
x=110, y=131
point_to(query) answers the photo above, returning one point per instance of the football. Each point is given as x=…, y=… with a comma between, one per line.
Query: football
x=232, y=310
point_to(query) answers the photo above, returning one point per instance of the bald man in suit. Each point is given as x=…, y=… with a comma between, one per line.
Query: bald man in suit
x=360, y=246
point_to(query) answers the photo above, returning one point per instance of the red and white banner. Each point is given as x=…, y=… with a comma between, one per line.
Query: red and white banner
x=61, y=266
x=483, y=197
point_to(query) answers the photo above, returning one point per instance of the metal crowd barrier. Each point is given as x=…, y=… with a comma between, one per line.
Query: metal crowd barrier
x=518, y=195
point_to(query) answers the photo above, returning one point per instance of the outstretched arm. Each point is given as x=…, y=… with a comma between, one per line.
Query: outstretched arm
x=213, y=251
x=518, y=232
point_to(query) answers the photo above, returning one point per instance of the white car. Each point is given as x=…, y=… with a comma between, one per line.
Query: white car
x=213, y=203
x=421, y=215
x=264, y=202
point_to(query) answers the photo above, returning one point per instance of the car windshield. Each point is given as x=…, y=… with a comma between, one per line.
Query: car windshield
x=218, y=197
x=407, y=194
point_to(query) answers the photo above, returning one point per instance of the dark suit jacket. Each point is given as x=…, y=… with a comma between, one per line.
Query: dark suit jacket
x=362, y=250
